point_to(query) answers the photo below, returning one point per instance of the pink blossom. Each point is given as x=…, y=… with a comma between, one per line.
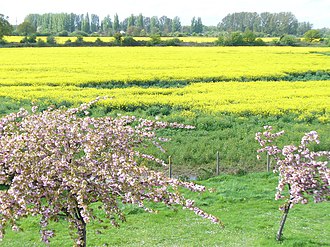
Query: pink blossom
x=61, y=164
x=298, y=168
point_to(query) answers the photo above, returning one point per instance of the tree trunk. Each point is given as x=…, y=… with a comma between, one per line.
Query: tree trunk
x=284, y=216
x=81, y=227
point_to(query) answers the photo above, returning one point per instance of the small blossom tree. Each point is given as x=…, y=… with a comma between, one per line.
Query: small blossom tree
x=300, y=169
x=57, y=163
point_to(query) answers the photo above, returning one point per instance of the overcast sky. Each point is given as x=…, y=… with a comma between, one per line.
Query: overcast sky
x=211, y=11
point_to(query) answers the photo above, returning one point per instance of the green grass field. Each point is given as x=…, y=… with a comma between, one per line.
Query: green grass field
x=245, y=204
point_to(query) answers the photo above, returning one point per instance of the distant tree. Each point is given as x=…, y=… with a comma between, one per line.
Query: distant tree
x=5, y=27
x=86, y=27
x=34, y=19
x=240, y=22
x=124, y=24
x=154, y=25
x=303, y=27
x=140, y=22
x=26, y=28
x=52, y=23
x=133, y=31
x=78, y=22
x=106, y=25
x=269, y=23
x=165, y=25
x=131, y=21
x=199, y=26
x=312, y=35
x=71, y=23
x=325, y=31
x=265, y=22
x=146, y=22
x=194, y=27
x=95, y=23
x=116, y=26
x=176, y=24
x=287, y=23
x=186, y=30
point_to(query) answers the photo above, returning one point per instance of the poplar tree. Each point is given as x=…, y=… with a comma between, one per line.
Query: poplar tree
x=116, y=26
x=86, y=26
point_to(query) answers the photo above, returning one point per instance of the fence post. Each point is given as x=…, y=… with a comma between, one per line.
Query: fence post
x=268, y=162
x=170, y=167
x=218, y=164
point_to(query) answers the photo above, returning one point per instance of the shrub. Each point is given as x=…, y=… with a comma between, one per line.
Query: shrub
x=312, y=35
x=118, y=38
x=98, y=41
x=29, y=39
x=230, y=39
x=2, y=41
x=68, y=42
x=259, y=42
x=63, y=33
x=173, y=42
x=289, y=40
x=80, y=40
x=41, y=42
x=155, y=40
x=51, y=40
x=129, y=41
x=79, y=33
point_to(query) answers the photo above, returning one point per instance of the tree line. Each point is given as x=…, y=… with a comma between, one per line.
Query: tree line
x=234, y=29
x=266, y=23
x=273, y=24
x=91, y=23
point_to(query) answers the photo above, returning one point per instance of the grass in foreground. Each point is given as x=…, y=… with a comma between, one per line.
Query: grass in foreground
x=245, y=204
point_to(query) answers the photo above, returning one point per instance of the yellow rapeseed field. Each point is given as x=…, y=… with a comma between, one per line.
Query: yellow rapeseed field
x=268, y=98
x=79, y=65
x=55, y=74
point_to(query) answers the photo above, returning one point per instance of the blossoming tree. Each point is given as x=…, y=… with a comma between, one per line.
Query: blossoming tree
x=303, y=171
x=57, y=163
